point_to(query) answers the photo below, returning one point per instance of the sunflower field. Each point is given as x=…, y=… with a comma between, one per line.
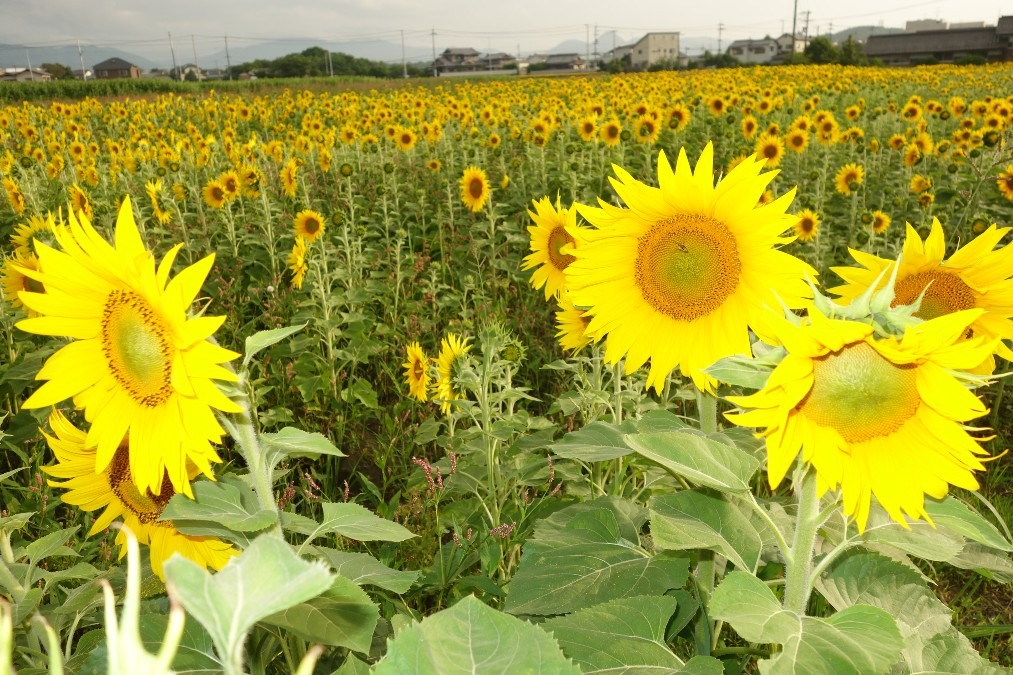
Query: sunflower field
x=696, y=372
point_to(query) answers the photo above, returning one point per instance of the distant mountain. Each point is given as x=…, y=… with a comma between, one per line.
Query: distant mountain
x=14, y=56
x=862, y=33
x=376, y=50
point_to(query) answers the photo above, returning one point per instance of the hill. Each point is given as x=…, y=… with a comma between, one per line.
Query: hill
x=13, y=55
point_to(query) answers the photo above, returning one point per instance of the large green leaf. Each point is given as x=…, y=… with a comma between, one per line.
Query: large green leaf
x=694, y=519
x=51, y=544
x=919, y=539
x=606, y=519
x=748, y=605
x=952, y=652
x=196, y=653
x=268, y=577
x=228, y=503
x=265, y=338
x=623, y=636
x=363, y=568
x=595, y=442
x=292, y=442
x=349, y=520
x=742, y=371
x=700, y=459
x=343, y=616
x=472, y=638
x=953, y=514
x=568, y=578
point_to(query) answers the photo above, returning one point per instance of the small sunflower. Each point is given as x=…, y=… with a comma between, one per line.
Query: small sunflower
x=920, y=183
x=214, y=194
x=36, y=228
x=848, y=177
x=417, y=372
x=572, y=325
x=113, y=490
x=976, y=276
x=896, y=433
x=880, y=222
x=136, y=364
x=309, y=225
x=770, y=148
x=554, y=235
x=434, y=165
x=796, y=140
x=611, y=132
x=680, y=274
x=587, y=128
x=474, y=188
x=289, y=177
x=297, y=262
x=406, y=139
x=15, y=280
x=231, y=183
x=79, y=201
x=808, y=225
x=452, y=350
x=1005, y=182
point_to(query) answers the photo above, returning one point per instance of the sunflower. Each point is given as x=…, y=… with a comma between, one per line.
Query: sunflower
x=895, y=433
x=417, y=372
x=113, y=490
x=79, y=201
x=920, y=183
x=434, y=165
x=36, y=229
x=289, y=179
x=136, y=364
x=14, y=196
x=494, y=140
x=749, y=126
x=297, y=262
x=680, y=274
x=808, y=225
x=14, y=280
x=214, y=194
x=474, y=188
x=681, y=115
x=797, y=140
x=611, y=132
x=154, y=190
x=452, y=350
x=309, y=225
x=974, y=277
x=554, y=235
x=848, y=178
x=587, y=128
x=716, y=105
x=646, y=130
x=770, y=148
x=406, y=139
x=880, y=222
x=1005, y=182
x=572, y=324
x=231, y=183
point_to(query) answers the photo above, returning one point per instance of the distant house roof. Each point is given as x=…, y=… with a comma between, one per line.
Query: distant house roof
x=933, y=41
x=460, y=51
x=1005, y=26
x=745, y=44
x=114, y=63
x=559, y=59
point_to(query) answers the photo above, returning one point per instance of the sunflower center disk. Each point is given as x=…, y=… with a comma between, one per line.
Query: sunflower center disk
x=687, y=266
x=559, y=238
x=860, y=394
x=146, y=506
x=475, y=188
x=948, y=293
x=136, y=344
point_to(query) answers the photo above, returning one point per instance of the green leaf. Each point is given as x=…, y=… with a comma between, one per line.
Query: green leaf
x=700, y=459
x=473, y=638
x=568, y=578
x=343, y=616
x=266, y=578
x=955, y=515
x=196, y=652
x=985, y=560
x=952, y=652
x=360, y=391
x=350, y=520
x=703, y=665
x=4, y=476
x=595, y=442
x=363, y=568
x=606, y=519
x=229, y=504
x=292, y=442
x=627, y=635
x=746, y=604
x=741, y=371
x=40, y=549
x=27, y=605
x=694, y=519
x=918, y=539
x=265, y=338
x=15, y=522
x=353, y=665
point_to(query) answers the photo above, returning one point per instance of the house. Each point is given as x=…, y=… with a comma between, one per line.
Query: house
x=24, y=75
x=85, y=74
x=616, y=53
x=655, y=48
x=754, y=51
x=571, y=61
x=115, y=68
x=947, y=45
x=498, y=61
x=786, y=45
x=457, y=59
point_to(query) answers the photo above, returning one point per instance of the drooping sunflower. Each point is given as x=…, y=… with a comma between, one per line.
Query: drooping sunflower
x=553, y=236
x=895, y=433
x=452, y=350
x=847, y=176
x=1005, y=182
x=474, y=188
x=880, y=222
x=572, y=325
x=297, y=262
x=309, y=225
x=214, y=194
x=113, y=490
x=417, y=372
x=15, y=197
x=79, y=201
x=136, y=364
x=154, y=190
x=808, y=225
x=975, y=276
x=289, y=179
x=679, y=275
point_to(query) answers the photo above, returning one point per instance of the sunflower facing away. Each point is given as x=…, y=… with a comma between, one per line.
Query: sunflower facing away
x=553, y=237
x=309, y=225
x=136, y=365
x=113, y=490
x=417, y=372
x=452, y=350
x=474, y=188
x=975, y=276
x=895, y=433
x=680, y=274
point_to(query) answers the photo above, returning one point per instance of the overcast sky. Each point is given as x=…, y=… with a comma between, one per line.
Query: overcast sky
x=142, y=26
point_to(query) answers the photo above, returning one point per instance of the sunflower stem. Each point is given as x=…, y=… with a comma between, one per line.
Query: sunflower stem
x=707, y=407
x=244, y=431
x=799, y=560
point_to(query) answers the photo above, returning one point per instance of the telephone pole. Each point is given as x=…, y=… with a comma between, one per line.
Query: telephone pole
x=587, y=41
x=196, y=63
x=435, y=72
x=228, y=61
x=805, y=34
x=794, y=24
x=404, y=61
x=31, y=72
x=80, y=56
x=721, y=27
x=175, y=66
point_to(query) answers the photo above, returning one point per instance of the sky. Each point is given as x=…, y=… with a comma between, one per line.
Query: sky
x=143, y=26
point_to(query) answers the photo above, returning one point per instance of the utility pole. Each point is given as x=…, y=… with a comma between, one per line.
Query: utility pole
x=830, y=31
x=794, y=23
x=31, y=72
x=587, y=40
x=595, y=54
x=404, y=61
x=518, y=59
x=721, y=27
x=228, y=61
x=196, y=63
x=435, y=72
x=80, y=56
x=805, y=34
x=175, y=66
